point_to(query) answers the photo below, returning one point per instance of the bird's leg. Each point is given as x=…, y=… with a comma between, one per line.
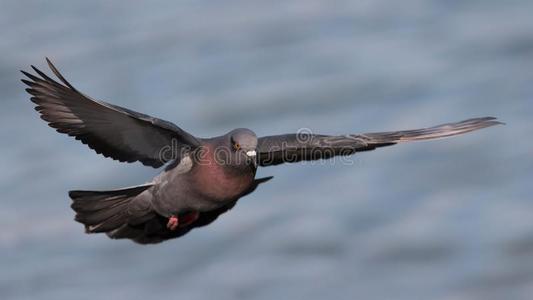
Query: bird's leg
x=173, y=222
x=189, y=218
x=186, y=219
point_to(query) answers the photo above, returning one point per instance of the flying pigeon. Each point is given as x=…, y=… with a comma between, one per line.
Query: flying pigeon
x=203, y=177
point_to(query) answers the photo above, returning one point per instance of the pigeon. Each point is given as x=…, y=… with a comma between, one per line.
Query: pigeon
x=202, y=178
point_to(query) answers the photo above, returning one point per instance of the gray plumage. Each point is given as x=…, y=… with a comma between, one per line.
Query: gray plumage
x=203, y=177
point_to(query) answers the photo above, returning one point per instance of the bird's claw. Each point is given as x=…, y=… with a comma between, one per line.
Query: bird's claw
x=173, y=223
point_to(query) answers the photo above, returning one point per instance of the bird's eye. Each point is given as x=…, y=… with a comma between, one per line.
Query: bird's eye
x=237, y=146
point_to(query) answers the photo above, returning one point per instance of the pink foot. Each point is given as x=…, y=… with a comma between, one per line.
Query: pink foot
x=173, y=223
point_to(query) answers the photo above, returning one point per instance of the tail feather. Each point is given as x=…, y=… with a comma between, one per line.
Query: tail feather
x=92, y=204
x=126, y=232
x=103, y=211
x=111, y=223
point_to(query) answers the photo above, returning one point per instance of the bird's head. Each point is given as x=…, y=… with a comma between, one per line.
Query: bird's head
x=244, y=143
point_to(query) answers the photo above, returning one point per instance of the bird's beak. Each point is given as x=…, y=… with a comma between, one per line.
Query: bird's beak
x=252, y=155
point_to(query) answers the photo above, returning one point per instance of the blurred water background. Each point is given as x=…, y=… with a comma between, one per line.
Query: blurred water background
x=450, y=219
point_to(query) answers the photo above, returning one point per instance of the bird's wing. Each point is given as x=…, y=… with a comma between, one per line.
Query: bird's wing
x=278, y=149
x=111, y=130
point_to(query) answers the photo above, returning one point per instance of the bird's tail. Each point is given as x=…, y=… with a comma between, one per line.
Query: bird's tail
x=441, y=131
x=103, y=211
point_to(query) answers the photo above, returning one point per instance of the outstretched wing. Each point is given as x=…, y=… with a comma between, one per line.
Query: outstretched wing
x=110, y=130
x=278, y=149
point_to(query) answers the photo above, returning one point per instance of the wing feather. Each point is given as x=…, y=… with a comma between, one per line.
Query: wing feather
x=110, y=130
x=287, y=148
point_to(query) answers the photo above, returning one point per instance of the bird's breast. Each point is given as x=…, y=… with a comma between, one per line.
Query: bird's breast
x=219, y=182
